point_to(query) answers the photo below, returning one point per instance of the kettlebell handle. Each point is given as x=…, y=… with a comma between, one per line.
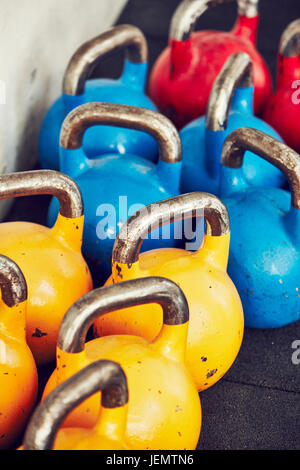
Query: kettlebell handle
x=189, y=11
x=85, y=311
x=236, y=72
x=131, y=235
x=102, y=375
x=89, y=54
x=290, y=40
x=39, y=182
x=268, y=148
x=131, y=117
x=12, y=282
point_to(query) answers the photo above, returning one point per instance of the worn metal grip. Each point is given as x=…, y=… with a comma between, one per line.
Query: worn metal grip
x=131, y=235
x=290, y=40
x=40, y=182
x=248, y=8
x=189, y=11
x=103, y=375
x=91, y=52
x=236, y=72
x=85, y=311
x=131, y=117
x=12, y=282
x=268, y=148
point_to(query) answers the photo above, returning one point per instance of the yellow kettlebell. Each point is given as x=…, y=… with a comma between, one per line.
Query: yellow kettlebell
x=216, y=315
x=164, y=410
x=18, y=373
x=51, y=259
x=43, y=431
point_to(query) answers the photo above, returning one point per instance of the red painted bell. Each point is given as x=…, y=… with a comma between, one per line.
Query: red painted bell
x=283, y=109
x=182, y=76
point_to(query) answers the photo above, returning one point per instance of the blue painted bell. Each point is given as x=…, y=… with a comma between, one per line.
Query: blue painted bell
x=264, y=258
x=230, y=107
x=77, y=89
x=115, y=186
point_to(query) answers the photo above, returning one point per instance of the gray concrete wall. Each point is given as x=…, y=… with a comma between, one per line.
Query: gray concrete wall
x=37, y=39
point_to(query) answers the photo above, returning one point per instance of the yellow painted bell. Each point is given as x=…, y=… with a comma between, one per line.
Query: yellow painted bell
x=216, y=315
x=51, y=259
x=164, y=410
x=18, y=373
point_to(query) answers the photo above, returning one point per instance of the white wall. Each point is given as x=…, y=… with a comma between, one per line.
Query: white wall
x=37, y=38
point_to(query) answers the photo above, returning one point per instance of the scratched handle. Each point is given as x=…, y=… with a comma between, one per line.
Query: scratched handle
x=102, y=375
x=189, y=11
x=89, y=308
x=236, y=72
x=290, y=40
x=91, y=52
x=38, y=182
x=268, y=148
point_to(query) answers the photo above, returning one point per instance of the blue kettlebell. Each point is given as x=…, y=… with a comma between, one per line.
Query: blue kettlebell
x=264, y=258
x=230, y=107
x=115, y=186
x=77, y=90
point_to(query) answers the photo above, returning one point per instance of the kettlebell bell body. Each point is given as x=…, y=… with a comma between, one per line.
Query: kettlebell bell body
x=264, y=255
x=164, y=410
x=230, y=107
x=283, y=110
x=216, y=314
x=19, y=379
x=77, y=90
x=115, y=185
x=51, y=260
x=182, y=77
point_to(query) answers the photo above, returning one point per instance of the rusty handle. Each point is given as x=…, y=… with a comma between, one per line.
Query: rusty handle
x=290, y=40
x=89, y=54
x=131, y=117
x=268, y=148
x=189, y=11
x=131, y=235
x=85, y=311
x=248, y=8
x=12, y=282
x=237, y=71
x=38, y=182
x=103, y=375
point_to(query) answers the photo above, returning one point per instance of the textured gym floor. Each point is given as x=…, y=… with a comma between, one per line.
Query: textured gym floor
x=256, y=405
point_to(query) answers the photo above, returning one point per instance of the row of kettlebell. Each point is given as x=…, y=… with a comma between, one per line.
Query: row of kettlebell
x=180, y=82
x=215, y=331
x=192, y=61
x=201, y=274
x=90, y=149
x=139, y=409
x=52, y=259
x=188, y=162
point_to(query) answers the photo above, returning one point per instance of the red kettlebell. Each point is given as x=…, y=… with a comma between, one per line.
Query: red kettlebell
x=283, y=109
x=182, y=77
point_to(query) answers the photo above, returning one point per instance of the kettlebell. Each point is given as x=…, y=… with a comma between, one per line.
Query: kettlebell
x=43, y=431
x=115, y=186
x=77, y=90
x=18, y=373
x=164, y=410
x=230, y=107
x=182, y=76
x=51, y=260
x=283, y=108
x=216, y=314
x=265, y=247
